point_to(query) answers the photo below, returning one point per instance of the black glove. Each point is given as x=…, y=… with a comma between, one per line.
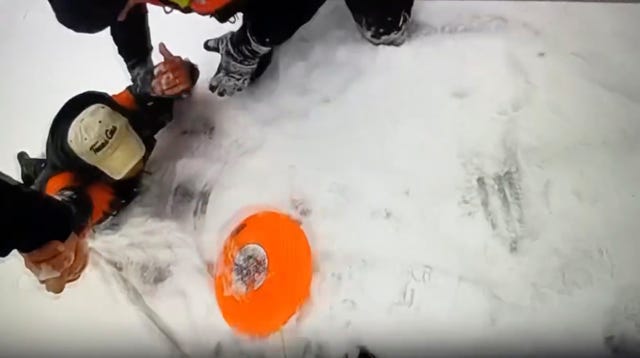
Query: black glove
x=239, y=64
x=30, y=168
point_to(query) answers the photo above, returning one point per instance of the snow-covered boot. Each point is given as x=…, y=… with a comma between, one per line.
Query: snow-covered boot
x=382, y=22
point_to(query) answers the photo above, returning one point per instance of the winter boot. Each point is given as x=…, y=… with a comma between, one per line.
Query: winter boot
x=382, y=22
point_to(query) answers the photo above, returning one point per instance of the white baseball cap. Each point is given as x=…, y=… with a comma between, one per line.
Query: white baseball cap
x=104, y=138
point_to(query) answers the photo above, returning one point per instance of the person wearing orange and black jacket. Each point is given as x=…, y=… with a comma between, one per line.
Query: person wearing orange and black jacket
x=98, y=145
x=245, y=53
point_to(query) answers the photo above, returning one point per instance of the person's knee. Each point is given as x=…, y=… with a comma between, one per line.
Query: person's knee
x=382, y=22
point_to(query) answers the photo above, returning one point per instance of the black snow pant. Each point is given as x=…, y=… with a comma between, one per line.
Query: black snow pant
x=380, y=21
x=273, y=23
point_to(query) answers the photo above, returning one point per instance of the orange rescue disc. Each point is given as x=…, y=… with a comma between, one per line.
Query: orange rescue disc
x=264, y=273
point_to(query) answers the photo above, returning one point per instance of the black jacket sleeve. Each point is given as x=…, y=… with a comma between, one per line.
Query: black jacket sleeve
x=271, y=23
x=132, y=38
x=133, y=41
x=29, y=219
x=73, y=196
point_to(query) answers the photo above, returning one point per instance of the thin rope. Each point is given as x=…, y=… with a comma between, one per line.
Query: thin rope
x=138, y=300
x=284, y=347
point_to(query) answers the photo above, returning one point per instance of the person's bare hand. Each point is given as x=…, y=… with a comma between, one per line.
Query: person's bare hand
x=49, y=260
x=73, y=272
x=172, y=76
x=56, y=263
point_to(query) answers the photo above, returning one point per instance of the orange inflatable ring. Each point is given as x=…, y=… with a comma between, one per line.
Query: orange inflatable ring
x=263, y=276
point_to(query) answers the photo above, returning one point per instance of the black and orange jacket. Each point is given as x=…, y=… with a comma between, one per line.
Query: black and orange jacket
x=91, y=194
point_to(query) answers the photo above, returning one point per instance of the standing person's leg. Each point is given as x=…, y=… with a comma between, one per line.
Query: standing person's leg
x=246, y=53
x=382, y=22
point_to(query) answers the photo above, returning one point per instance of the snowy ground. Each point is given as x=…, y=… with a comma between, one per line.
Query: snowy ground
x=474, y=191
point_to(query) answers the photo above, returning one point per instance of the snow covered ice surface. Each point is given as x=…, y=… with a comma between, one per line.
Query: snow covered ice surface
x=472, y=192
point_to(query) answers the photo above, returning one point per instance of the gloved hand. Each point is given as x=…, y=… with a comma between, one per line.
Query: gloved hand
x=240, y=60
x=30, y=168
x=141, y=78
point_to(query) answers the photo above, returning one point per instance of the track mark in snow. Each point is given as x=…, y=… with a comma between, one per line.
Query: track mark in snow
x=419, y=277
x=422, y=274
x=184, y=195
x=621, y=336
x=300, y=207
x=476, y=24
x=407, y=299
x=297, y=203
x=497, y=188
x=501, y=200
x=498, y=194
x=484, y=201
x=201, y=206
x=208, y=132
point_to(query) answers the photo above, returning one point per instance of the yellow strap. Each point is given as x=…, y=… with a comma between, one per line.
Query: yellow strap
x=181, y=3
